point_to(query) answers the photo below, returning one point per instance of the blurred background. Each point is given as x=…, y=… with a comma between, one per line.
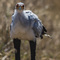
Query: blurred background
x=49, y=12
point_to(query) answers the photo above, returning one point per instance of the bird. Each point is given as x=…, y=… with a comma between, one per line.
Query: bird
x=25, y=25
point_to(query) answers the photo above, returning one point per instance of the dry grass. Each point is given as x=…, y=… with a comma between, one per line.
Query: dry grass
x=49, y=12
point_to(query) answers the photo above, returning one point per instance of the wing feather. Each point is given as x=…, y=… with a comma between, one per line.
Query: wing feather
x=36, y=23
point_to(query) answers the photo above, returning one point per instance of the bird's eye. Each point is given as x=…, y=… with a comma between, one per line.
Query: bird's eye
x=17, y=5
x=23, y=6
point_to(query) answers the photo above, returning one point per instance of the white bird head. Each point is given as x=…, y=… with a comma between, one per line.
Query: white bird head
x=19, y=7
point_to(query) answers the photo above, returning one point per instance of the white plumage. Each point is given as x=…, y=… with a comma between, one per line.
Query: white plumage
x=26, y=25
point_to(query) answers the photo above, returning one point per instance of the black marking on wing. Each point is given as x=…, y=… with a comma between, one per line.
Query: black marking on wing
x=44, y=31
x=35, y=29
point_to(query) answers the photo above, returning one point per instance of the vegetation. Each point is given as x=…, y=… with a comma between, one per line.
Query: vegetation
x=49, y=12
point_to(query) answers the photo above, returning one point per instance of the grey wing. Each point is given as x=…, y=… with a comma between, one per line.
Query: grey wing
x=37, y=26
x=39, y=29
x=11, y=22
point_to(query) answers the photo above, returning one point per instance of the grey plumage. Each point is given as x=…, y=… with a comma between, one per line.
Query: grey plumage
x=26, y=25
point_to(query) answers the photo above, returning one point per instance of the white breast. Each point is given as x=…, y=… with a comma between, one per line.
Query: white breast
x=18, y=31
x=22, y=33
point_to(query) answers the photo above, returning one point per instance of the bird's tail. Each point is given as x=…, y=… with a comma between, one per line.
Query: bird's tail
x=44, y=32
x=49, y=36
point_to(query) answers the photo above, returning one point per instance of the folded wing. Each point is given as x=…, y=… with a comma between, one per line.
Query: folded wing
x=36, y=24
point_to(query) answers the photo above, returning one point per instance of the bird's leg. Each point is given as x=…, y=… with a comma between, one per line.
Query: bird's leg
x=33, y=49
x=17, y=43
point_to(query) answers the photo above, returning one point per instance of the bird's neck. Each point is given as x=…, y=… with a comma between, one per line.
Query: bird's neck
x=19, y=12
